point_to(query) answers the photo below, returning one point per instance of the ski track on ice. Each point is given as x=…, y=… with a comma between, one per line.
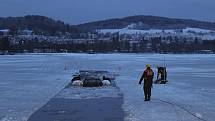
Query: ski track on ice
x=182, y=108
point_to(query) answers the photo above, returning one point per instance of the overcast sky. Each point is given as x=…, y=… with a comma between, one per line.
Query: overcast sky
x=80, y=11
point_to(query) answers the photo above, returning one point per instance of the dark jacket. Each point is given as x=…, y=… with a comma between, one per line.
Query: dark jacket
x=148, y=76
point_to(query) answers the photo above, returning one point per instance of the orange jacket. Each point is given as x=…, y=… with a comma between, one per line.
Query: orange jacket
x=148, y=76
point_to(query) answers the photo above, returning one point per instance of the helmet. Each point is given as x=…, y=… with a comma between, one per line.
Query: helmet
x=148, y=66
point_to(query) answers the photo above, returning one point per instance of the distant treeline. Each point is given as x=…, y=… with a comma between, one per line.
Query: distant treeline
x=5, y=44
x=155, y=45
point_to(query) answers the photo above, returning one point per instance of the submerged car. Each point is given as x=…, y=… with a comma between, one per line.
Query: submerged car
x=92, y=78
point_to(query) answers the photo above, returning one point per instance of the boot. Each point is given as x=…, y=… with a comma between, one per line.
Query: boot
x=146, y=98
x=149, y=98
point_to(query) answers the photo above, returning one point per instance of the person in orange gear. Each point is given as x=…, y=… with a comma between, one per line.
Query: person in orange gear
x=148, y=76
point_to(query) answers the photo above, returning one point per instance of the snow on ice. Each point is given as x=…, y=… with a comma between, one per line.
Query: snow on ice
x=29, y=81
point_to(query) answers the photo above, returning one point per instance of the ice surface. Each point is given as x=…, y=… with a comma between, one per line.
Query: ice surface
x=29, y=81
x=89, y=92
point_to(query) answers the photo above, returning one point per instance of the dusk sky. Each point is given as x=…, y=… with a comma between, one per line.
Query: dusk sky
x=80, y=11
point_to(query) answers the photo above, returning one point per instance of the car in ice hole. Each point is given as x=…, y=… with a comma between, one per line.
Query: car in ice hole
x=92, y=78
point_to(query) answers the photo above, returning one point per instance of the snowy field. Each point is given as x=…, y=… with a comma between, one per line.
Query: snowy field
x=27, y=82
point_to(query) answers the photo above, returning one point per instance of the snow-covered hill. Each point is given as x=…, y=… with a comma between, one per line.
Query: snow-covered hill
x=156, y=31
x=188, y=32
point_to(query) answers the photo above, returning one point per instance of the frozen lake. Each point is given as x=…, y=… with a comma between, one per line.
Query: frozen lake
x=27, y=82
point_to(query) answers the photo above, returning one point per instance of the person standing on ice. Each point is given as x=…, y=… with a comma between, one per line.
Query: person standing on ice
x=148, y=75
